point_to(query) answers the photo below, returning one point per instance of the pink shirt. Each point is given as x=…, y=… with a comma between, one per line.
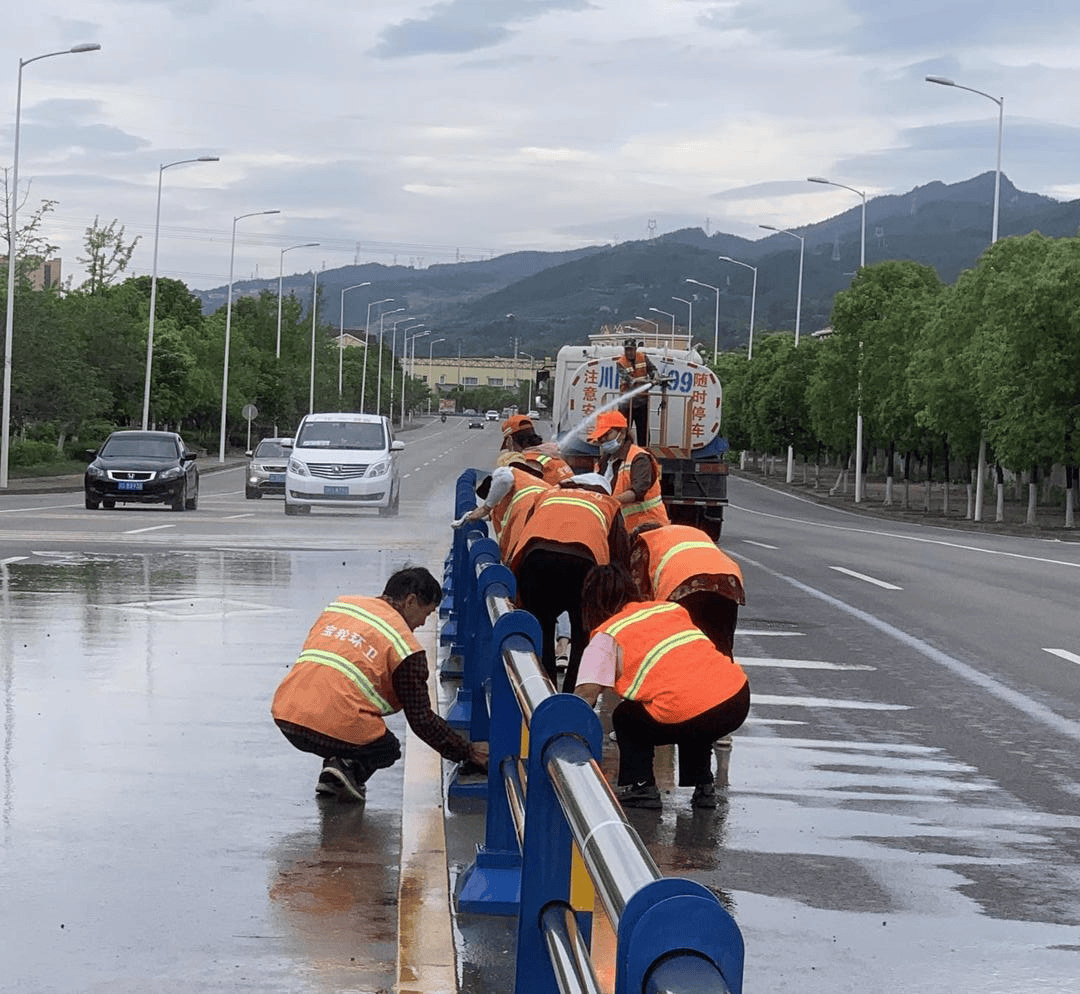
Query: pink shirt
x=599, y=661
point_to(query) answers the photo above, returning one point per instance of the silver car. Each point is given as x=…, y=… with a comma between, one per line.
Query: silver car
x=266, y=468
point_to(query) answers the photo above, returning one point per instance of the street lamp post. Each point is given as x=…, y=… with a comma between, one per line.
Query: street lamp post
x=656, y=310
x=753, y=301
x=404, y=350
x=228, y=329
x=12, y=231
x=378, y=379
x=1000, y=101
x=393, y=353
x=655, y=324
x=314, y=317
x=430, y=374
x=716, y=323
x=280, y=280
x=341, y=333
x=153, y=282
x=367, y=350
x=689, y=320
x=862, y=263
x=862, y=194
x=798, y=314
x=531, y=358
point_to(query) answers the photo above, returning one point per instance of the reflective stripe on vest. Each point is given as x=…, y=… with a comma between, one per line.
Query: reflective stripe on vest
x=578, y=502
x=654, y=655
x=674, y=551
x=381, y=625
x=518, y=496
x=351, y=672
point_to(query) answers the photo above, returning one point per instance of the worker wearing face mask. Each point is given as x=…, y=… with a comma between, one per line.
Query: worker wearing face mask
x=632, y=470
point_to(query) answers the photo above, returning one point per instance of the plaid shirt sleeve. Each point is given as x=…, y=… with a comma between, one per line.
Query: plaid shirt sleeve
x=410, y=684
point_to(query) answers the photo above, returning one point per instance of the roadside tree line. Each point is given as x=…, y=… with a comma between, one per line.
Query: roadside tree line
x=938, y=372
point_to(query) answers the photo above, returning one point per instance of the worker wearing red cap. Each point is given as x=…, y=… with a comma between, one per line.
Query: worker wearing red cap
x=519, y=435
x=633, y=471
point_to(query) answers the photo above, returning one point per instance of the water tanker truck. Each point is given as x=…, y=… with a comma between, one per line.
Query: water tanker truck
x=685, y=401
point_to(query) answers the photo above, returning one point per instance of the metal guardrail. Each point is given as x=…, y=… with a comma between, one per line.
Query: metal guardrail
x=554, y=830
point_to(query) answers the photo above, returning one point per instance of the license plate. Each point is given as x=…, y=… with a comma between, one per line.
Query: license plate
x=129, y=485
x=277, y=477
x=335, y=491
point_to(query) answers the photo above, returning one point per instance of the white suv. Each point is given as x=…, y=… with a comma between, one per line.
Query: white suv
x=343, y=460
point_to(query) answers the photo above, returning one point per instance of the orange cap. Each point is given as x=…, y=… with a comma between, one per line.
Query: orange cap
x=515, y=423
x=604, y=423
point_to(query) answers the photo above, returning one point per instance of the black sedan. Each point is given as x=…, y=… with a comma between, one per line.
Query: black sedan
x=143, y=467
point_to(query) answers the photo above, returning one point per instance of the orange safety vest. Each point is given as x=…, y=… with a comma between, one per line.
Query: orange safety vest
x=651, y=506
x=568, y=516
x=341, y=684
x=526, y=487
x=636, y=370
x=674, y=554
x=556, y=469
x=668, y=664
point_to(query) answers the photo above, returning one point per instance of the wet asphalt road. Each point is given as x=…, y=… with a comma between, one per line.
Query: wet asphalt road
x=900, y=810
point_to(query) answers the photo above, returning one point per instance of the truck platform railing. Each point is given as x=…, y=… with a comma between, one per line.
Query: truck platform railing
x=555, y=834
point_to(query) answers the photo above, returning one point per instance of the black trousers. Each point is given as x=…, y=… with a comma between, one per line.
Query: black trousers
x=548, y=583
x=365, y=759
x=638, y=733
x=637, y=416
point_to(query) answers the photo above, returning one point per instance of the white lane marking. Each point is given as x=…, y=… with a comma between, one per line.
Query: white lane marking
x=868, y=579
x=1033, y=709
x=1070, y=657
x=233, y=517
x=13, y=559
x=757, y=633
x=154, y=528
x=826, y=702
x=760, y=545
x=799, y=664
x=887, y=534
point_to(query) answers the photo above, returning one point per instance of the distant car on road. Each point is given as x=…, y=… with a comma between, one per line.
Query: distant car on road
x=476, y=421
x=266, y=468
x=142, y=467
x=492, y=415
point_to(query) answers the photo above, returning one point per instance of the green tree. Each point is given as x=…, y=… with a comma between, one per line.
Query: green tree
x=106, y=255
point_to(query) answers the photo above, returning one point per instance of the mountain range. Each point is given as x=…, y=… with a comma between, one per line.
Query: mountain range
x=538, y=301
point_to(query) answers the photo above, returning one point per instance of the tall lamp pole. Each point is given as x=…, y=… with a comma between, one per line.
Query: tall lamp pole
x=405, y=378
x=228, y=329
x=862, y=263
x=753, y=301
x=716, y=324
x=656, y=310
x=378, y=381
x=153, y=282
x=689, y=320
x=12, y=231
x=341, y=334
x=367, y=350
x=314, y=318
x=1000, y=101
x=798, y=314
x=655, y=324
x=280, y=280
x=430, y=375
x=393, y=352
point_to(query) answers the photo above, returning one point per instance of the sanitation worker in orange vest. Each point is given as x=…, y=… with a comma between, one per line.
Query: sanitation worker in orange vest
x=635, y=370
x=633, y=471
x=568, y=530
x=676, y=688
x=681, y=563
x=360, y=663
x=519, y=435
x=506, y=496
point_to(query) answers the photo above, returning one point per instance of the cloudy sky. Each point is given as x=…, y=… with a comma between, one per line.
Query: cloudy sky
x=417, y=133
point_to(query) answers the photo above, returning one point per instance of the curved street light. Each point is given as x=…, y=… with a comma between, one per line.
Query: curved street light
x=689, y=320
x=378, y=379
x=228, y=328
x=1000, y=101
x=412, y=364
x=861, y=193
x=153, y=282
x=430, y=374
x=656, y=310
x=341, y=333
x=753, y=301
x=9, y=324
x=716, y=323
x=367, y=349
x=655, y=324
x=281, y=275
x=393, y=351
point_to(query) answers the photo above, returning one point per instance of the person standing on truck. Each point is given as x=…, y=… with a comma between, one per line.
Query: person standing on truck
x=362, y=662
x=635, y=370
x=519, y=435
x=680, y=563
x=676, y=688
x=633, y=471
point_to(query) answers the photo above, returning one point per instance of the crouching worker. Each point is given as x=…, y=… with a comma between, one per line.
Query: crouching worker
x=360, y=663
x=676, y=687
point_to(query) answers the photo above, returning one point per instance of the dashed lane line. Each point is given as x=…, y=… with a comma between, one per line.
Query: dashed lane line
x=1070, y=657
x=867, y=579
